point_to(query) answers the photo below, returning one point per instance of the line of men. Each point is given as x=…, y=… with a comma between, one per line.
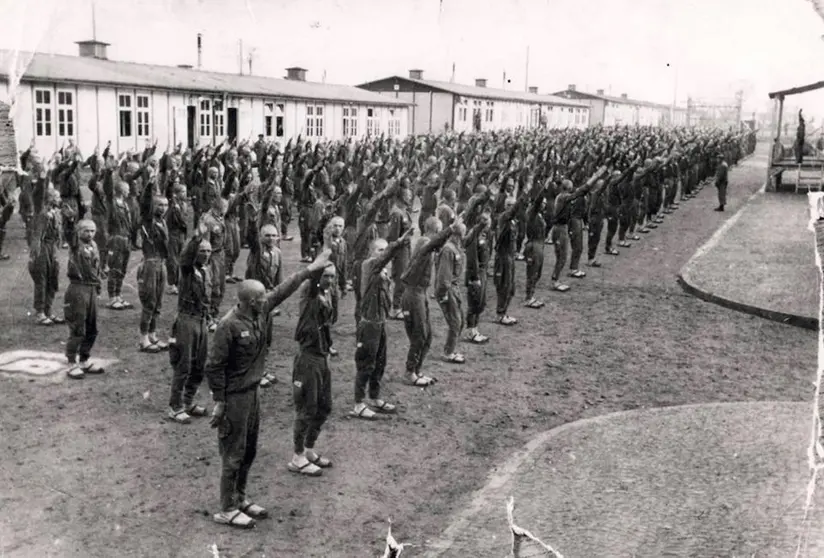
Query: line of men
x=487, y=200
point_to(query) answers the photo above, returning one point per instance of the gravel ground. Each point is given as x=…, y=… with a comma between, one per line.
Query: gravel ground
x=93, y=466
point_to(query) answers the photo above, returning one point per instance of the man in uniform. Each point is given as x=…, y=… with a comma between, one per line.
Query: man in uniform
x=234, y=370
x=721, y=172
x=80, y=305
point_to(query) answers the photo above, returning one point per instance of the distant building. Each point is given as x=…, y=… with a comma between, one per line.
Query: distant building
x=440, y=105
x=622, y=111
x=94, y=100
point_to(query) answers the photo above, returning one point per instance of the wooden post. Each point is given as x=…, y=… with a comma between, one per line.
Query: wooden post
x=776, y=140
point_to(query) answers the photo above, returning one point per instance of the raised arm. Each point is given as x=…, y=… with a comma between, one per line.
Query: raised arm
x=285, y=289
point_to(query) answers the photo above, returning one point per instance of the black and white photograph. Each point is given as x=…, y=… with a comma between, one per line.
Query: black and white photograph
x=418, y=278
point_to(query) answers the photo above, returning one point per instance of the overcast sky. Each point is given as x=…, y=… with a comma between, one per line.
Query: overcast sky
x=710, y=48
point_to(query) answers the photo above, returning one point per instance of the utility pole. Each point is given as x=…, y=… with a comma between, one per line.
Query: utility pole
x=249, y=58
x=526, y=77
x=94, y=23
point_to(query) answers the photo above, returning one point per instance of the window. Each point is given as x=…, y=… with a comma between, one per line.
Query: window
x=534, y=116
x=142, y=116
x=350, y=122
x=219, y=130
x=281, y=109
x=462, y=114
x=314, y=121
x=42, y=113
x=489, y=111
x=205, y=118
x=373, y=124
x=125, y=112
x=268, y=110
x=394, y=124
x=65, y=114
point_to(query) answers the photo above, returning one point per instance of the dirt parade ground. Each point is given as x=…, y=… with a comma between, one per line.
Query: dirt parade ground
x=94, y=468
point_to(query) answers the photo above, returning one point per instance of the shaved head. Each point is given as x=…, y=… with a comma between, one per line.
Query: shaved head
x=249, y=290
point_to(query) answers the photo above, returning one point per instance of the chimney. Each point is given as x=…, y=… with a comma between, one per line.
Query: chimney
x=623, y=95
x=533, y=89
x=571, y=87
x=599, y=92
x=199, y=50
x=480, y=82
x=296, y=74
x=415, y=74
x=185, y=66
x=92, y=49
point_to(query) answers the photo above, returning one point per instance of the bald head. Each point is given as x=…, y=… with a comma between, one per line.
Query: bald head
x=249, y=291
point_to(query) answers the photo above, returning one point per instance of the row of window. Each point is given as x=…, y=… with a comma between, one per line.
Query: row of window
x=211, y=117
x=43, y=120
x=534, y=114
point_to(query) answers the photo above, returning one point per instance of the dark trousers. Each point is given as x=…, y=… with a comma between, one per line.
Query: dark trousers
x=44, y=271
x=243, y=225
x=119, y=253
x=187, y=355
x=625, y=219
x=370, y=359
x=304, y=220
x=504, y=281
x=560, y=239
x=349, y=236
x=218, y=268
x=28, y=220
x=596, y=226
x=672, y=192
x=5, y=215
x=476, y=298
x=285, y=213
x=612, y=227
x=424, y=215
x=576, y=242
x=521, y=234
x=722, y=194
x=418, y=327
x=151, y=280
x=453, y=315
x=312, y=393
x=231, y=245
x=534, y=254
x=176, y=241
x=399, y=265
x=653, y=203
x=237, y=442
x=80, y=311
x=641, y=208
x=356, y=287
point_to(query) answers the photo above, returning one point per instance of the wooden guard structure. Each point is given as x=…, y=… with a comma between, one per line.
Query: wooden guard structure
x=809, y=175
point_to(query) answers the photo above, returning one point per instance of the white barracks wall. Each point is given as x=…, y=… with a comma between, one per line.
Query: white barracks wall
x=86, y=120
x=130, y=117
x=24, y=117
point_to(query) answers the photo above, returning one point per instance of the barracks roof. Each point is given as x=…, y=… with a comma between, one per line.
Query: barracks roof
x=77, y=69
x=478, y=92
x=575, y=94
